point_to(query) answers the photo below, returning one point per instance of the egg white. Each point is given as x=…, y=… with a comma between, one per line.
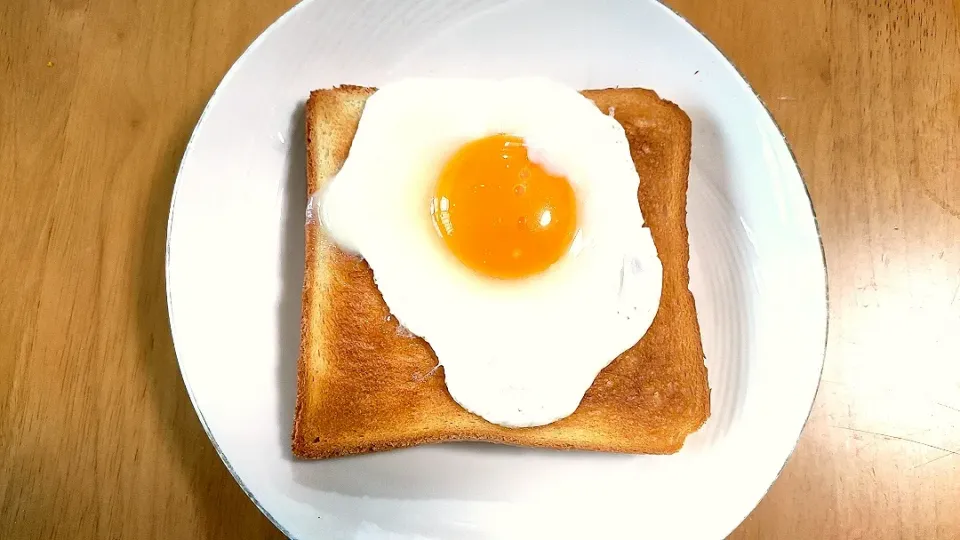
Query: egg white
x=516, y=352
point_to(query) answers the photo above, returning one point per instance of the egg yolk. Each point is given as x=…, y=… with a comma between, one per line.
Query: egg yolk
x=501, y=214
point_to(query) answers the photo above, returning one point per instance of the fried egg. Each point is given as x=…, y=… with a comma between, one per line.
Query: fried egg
x=501, y=222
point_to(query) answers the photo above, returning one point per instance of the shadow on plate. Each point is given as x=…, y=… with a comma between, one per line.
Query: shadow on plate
x=291, y=269
x=459, y=471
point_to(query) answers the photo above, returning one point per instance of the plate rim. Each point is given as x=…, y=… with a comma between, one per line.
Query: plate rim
x=290, y=13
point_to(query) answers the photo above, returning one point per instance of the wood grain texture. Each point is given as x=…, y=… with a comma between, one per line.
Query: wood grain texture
x=97, y=99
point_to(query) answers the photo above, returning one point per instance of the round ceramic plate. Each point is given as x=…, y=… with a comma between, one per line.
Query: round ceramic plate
x=235, y=268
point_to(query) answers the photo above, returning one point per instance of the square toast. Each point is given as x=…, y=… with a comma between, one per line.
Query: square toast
x=364, y=384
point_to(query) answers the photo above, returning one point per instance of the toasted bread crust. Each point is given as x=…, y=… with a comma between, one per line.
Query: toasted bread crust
x=364, y=385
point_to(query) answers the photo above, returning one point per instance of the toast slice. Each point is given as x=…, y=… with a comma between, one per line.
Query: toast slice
x=365, y=385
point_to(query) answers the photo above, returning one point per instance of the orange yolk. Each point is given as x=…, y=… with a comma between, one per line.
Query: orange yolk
x=501, y=214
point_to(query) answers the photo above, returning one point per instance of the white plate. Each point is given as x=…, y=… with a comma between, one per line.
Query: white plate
x=235, y=256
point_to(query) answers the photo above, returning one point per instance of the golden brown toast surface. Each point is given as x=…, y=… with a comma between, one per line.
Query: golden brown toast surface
x=366, y=385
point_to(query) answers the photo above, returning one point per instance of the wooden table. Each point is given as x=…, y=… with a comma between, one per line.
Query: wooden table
x=98, y=98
